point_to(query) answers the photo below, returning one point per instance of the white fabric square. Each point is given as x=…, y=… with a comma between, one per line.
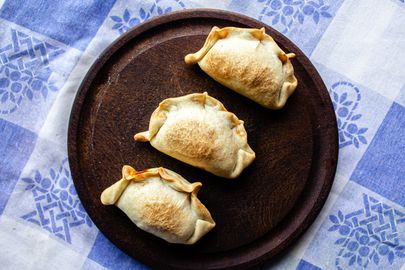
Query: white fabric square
x=364, y=42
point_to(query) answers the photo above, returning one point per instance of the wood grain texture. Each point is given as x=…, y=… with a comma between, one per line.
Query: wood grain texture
x=258, y=214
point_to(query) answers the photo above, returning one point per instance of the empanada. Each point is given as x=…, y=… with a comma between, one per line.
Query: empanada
x=249, y=62
x=198, y=130
x=162, y=203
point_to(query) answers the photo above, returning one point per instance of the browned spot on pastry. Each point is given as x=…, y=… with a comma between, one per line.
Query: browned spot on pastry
x=251, y=74
x=192, y=138
x=218, y=65
x=258, y=33
x=163, y=216
x=255, y=75
x=240, y=131
x=283, y=57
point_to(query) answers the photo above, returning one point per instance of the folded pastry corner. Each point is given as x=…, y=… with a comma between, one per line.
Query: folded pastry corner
x=248, y=61
x=198, y=130
x=161, y=202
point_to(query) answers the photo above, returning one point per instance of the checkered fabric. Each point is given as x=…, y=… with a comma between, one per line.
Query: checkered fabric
x=46, y=48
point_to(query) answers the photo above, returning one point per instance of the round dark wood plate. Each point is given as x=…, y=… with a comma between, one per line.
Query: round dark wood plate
x=258, y=214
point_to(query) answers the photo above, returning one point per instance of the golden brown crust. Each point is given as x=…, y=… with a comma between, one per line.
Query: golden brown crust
x=163, y=216
x=217, y=33
x=284, y=57
x=251, y=77
x=213, y=36
x=130, y=174
x=202, y=136
x=257, y=76
x=160, y=114
x=193, y=139
x=163, y=213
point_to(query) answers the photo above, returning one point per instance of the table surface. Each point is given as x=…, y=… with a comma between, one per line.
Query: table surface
x=46, y=49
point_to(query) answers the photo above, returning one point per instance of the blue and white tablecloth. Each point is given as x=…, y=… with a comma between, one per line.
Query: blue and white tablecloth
x=46, y=48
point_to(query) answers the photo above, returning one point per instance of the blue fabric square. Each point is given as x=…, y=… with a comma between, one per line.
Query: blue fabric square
x=126, y=15
x=304, y=265
x=356, y=123
x=362, y=230
x=16, y=145
x=54, y=19
x=382, y=167
x=32, y=71
x=239, y=5
x=108, y=255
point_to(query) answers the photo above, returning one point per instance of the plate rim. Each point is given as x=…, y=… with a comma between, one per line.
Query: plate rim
x=102, y=59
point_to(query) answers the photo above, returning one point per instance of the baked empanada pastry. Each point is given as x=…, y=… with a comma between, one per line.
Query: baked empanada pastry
x=162, y=203
x=249, y=62
x=198, y=130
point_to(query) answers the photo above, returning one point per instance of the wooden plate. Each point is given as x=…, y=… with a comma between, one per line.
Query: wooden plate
x=257, y=214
